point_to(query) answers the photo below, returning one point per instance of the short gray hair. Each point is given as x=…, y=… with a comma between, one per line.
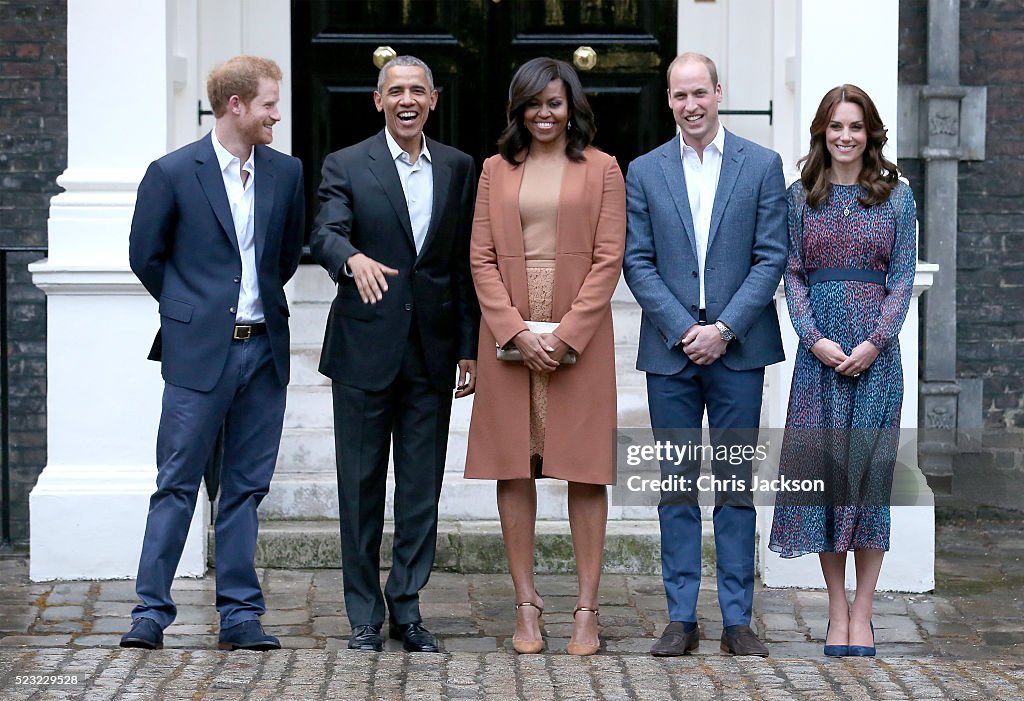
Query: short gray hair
x=404, y=61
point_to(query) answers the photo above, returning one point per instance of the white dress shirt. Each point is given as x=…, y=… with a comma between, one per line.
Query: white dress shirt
x=417, y=184
x=701, y=186
x=241, y=199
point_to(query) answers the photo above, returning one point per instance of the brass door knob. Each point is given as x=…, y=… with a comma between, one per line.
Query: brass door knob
x=382, y=55
x=584, y=58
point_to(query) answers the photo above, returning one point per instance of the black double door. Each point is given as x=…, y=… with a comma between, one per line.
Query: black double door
x=473, y=47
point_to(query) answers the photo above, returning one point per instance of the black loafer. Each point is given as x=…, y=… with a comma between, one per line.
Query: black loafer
x=366, y=638
x=247, y=635
x=414, y=637
x=145, y=633
x=675, y=641
x=743, y=641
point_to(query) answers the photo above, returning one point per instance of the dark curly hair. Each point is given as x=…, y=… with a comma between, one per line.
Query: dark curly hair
x=529, y=81
x=877, y=174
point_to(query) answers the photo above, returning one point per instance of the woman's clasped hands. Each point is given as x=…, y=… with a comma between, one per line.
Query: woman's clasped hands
x=832, y=354
x=541, y=352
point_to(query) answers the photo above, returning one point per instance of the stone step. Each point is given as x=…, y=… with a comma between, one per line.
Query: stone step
x=310, y=284
x=314, y=495
x=309, y=319
x=631, y=547
x=310, y=294
x=312, y=450
x=308, y=322
x=312, y=407
x=305, y=361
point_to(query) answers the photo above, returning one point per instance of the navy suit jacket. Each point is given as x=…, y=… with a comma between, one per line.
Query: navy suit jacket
x=746, y=256
x=184, y=250
x=363, y=210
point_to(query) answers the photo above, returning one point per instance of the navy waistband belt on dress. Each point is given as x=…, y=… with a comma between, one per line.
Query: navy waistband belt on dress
x=855, y=274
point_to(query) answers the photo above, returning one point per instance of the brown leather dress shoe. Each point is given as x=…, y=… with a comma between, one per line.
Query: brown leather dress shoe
x=743, y=641
x=675, y=641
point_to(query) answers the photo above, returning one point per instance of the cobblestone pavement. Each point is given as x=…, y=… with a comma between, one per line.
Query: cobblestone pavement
x=59, y=640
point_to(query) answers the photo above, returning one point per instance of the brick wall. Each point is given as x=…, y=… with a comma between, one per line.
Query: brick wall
x=33, y=152
x=990, y=242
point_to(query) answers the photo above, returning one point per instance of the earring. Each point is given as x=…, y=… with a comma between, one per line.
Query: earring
x=569, y=125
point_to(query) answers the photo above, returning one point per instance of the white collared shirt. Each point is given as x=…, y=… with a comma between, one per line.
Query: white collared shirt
x=417, y=184
x=701, y=186
x=241, y=199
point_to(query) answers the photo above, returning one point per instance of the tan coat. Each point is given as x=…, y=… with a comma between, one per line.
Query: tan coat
x=579, y=443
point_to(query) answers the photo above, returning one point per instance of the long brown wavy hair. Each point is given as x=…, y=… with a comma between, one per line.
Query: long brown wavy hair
x=530, y=81
x=877, y=176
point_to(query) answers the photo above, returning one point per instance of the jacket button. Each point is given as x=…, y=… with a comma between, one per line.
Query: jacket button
x=232, y=310
x=408, y=307
x=237, y=279
x=694, y=273
x=693, y=307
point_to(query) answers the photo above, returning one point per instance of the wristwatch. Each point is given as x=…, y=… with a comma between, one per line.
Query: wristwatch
x=727, y=334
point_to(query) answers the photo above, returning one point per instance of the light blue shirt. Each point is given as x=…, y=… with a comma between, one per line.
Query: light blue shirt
x=417, y=184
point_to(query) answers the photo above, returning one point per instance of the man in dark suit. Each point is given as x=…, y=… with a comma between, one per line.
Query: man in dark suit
x=393, y=231
x=705, y=250
x=216, y=234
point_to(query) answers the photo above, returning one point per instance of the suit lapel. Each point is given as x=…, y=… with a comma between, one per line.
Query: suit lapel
x=572, y=191
x=382, y=165
x=675, y=181
x=513, y=223
x=732, y=161
x=212, y=181
x=264, y=198
x=505, y=184
x=442, y=174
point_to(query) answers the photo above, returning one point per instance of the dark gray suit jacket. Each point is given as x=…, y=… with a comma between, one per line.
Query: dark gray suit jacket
x=363, y=210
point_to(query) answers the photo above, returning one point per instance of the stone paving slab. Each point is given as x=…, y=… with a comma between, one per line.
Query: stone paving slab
x=286, y=675
x=58, y=640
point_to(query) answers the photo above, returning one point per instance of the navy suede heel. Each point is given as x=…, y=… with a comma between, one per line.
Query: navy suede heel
x=835, y=650
x=863, y=650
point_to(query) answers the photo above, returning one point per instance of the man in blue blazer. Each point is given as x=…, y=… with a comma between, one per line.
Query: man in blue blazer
x=705, y=250
x=217, y=232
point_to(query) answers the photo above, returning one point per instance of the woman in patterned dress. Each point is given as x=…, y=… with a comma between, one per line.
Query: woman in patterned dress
x=849, y=278
x=549, y=232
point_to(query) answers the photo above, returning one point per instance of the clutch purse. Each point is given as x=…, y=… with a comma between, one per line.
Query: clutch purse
x=511, y=354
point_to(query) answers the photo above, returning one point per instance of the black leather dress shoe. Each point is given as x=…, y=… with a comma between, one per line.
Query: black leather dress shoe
x=145, y=633
x=414, y=637
x=247, y=635
x=743, y=641
x=366, y=638
x=675, y=641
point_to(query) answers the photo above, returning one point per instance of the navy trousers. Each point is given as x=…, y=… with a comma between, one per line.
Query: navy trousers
x=677, y=403
x=249, y=402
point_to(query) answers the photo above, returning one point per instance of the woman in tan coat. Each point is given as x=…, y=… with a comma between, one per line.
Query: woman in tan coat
x=547, y=245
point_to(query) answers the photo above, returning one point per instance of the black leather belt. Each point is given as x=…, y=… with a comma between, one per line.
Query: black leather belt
x=243, y=332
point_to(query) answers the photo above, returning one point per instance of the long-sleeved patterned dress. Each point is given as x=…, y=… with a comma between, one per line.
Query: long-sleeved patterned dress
x=849, y=278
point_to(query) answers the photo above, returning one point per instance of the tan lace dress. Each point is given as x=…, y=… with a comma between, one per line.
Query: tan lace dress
x=538, y=212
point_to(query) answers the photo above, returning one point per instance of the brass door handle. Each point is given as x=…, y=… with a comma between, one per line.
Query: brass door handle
x=383, y=54
x=584, y=58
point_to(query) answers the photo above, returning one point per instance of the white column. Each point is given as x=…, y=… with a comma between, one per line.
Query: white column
x=88, y=509
x=826, y=45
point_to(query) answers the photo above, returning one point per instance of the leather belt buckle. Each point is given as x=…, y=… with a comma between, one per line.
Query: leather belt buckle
x=242, y=332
